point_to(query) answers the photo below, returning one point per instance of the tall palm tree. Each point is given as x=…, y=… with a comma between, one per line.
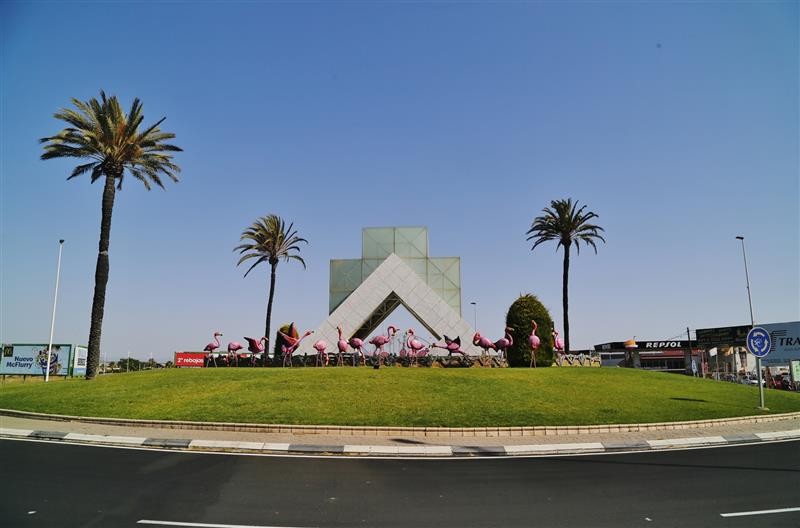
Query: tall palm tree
x=269, y=240
x=112, y=142
x=565, y=222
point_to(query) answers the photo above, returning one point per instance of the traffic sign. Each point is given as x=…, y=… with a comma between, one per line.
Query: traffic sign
x=758, y=342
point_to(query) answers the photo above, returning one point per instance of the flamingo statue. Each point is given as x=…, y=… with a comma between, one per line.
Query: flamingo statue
x=256, y=346
x=233, y=348
x=504, y=343
x=212, y=346
x=415, y=345
x=357, y=344
x=483, y=342
x=451, y=345
x=558, y=343
x=320, y=347
x=534, y=341
x=341, y=346
x=291, y=342
x=380, y=341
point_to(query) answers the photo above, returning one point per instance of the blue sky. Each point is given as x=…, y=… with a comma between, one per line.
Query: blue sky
x=676, y=122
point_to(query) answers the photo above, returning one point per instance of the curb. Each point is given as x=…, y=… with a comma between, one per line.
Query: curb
x=399, y=451
x=407, y=431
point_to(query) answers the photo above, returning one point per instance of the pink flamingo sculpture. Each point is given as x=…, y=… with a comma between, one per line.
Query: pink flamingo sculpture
x=380, y=341
x=341, y=346
x=256, y=346
x=504, y=343
x=357, y=344
x=415, y=345
x=291, y=342
x=558, y=343
x=483, y=342
x=233, y=348
x=451, y=345
x=211, y=347
x=534, y=341
x=322, y=357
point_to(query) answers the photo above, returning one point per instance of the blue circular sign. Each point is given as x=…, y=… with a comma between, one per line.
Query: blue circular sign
x=758, y=342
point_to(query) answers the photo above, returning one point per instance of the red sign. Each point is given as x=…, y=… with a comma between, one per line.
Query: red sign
x=190, y=359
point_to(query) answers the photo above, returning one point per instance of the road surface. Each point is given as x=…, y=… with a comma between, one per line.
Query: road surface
x=52, y=484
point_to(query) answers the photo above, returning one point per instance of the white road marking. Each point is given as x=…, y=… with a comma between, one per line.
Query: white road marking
x=205, y=525
x=758, y=512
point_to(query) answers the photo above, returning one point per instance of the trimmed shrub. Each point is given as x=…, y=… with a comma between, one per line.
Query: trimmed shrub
x=520, y=314
x=278, y=342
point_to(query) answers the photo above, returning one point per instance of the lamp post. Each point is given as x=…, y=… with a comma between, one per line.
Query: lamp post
x=475, y=315
x=53, y=319
x=752, y=322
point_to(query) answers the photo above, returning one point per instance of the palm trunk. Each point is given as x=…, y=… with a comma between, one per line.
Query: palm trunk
x=269, y=303
x=100, y=280
x=566, y=299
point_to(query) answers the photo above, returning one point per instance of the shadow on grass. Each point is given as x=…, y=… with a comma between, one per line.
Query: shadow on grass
x=690, y=400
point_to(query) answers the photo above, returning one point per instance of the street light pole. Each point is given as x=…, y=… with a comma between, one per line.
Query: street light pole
x=53, y=318
x=475, y=314
x=752, y=322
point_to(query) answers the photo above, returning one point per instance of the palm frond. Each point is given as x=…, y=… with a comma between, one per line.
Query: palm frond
x=101, y=131
x=567, y=223
x=268, y=239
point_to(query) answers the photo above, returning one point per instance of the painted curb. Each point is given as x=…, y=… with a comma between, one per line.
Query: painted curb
x=335, y=430
x=356, y=451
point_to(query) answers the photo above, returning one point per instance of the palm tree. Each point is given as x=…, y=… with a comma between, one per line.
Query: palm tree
x=102, y=133
x=565, y=222
x=269, y=240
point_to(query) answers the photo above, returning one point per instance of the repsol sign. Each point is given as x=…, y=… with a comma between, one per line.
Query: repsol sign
x=664, y=345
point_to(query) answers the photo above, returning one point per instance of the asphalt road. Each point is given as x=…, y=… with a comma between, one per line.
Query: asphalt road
x=49, y=484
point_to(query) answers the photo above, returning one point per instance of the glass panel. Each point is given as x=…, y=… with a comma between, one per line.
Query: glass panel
x=411, y=242
x=368, y=266
x=453, y=298
x=336, y=299
x=450, y=267
x=377, y=242
x=345, y=275
x=435, y=275
x=420, y=266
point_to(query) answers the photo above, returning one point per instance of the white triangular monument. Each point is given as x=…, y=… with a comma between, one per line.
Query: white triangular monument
x=393, y=283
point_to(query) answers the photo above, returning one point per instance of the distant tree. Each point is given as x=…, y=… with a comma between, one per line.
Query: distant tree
x=567, y=224
x=112, y=142
x=269, y=240
x=525, y=309
x=130, y=364
x=169, y=364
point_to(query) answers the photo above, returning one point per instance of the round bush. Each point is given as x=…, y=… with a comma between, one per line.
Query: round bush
x=520, y=314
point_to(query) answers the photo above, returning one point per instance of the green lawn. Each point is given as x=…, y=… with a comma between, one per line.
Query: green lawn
x=397, y=396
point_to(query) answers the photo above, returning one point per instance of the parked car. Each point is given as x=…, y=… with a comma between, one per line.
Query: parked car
x=751, y=379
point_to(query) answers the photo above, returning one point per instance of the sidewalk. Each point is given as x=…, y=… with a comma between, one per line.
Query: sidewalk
x=434, y=442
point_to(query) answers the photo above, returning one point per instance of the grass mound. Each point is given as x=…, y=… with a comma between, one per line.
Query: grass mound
x=397, y=396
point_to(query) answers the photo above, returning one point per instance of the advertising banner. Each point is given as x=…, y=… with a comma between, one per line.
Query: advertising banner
x=722, y=337
x=79, y=361
x=31, y=360
x=190, y=359
x=785, y=347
